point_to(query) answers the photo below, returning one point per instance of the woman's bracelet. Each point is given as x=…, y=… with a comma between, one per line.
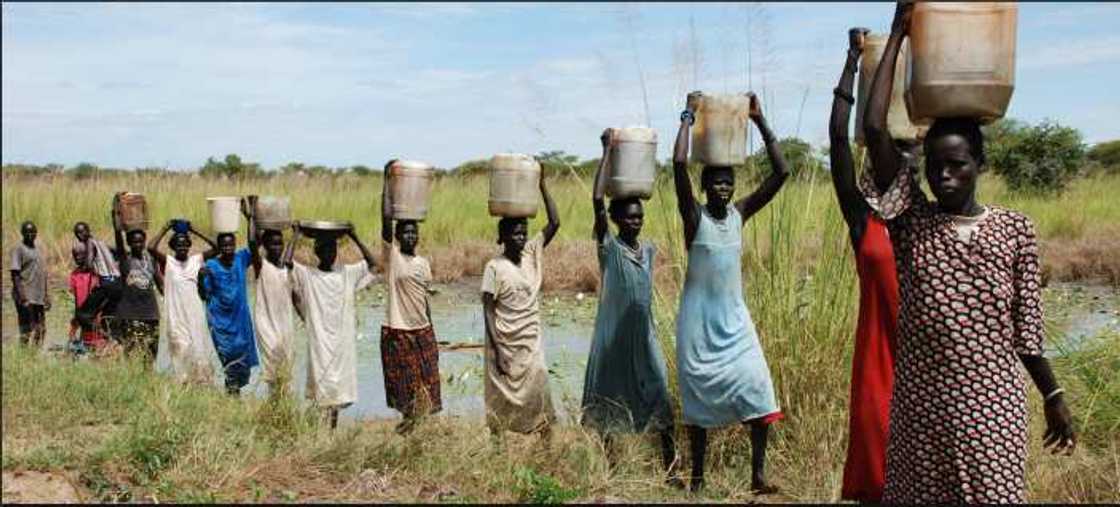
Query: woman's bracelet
x=1053, y=394
x=844, y=95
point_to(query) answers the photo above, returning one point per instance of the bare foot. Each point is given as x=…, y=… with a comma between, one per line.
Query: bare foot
x=763, y=489
x=675, y=483
x=696, y=485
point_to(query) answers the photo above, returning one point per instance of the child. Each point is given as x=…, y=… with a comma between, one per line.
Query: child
x=83, y=281
x=29, y=287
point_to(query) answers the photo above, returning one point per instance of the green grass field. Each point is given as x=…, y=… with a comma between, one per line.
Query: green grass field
x=127, y=434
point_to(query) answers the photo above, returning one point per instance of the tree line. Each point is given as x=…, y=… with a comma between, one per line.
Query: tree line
x=1043, y=157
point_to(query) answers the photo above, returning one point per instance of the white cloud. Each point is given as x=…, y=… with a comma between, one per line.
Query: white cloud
x=1071, y=52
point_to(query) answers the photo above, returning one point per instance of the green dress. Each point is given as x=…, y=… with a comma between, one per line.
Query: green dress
x=625, y=387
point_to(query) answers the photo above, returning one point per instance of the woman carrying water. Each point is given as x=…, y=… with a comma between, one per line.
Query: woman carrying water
x=327, y=293
x=274, y=304
x=970, y=313
x=135, y=319
x=722, y=372
x=517, y=393
x=189, y=345
x=873, y=359
x=409, y=353
x=625, y=388
x=223, y=282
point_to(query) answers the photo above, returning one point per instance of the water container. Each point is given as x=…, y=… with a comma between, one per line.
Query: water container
x=719, y=137
x=514, y=185
x=273, y=213
x=898, y=120
x=225, y=214
x=632, y=164
x=962, y=60
x=133, y=210
x=410, y=189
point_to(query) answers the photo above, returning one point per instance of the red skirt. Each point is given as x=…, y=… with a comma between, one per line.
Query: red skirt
x=410, y=363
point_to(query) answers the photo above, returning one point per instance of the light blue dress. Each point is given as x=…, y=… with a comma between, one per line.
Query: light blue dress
x=722, y=372
x=625, y=387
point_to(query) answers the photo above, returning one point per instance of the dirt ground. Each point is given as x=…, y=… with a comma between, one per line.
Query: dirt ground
x=38, y=487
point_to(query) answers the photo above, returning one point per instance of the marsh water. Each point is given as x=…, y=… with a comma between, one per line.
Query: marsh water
x=1081, y=316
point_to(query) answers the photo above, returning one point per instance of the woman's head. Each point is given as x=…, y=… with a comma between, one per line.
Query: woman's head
x=954, y=149
x=227, y=245
x=628, y=215
x=273, y=242
x=181, y=245
x=136, y=240
x=513, y=233
x=408, y=235
x=326, y=249
x=718, y=184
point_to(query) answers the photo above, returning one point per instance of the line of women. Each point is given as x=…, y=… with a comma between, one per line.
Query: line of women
x=950, y=305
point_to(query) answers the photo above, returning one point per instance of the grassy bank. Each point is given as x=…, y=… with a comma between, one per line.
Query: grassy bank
x=121, y=433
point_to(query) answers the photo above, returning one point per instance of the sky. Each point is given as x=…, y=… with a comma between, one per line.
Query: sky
x=168, y=85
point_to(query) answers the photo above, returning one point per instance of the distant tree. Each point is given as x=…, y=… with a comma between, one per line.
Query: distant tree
x=361, y=170
x=472, y=168
x=1106, y=155
x=292, y=168
x=84, y=170
x=231, y=167
x=798, y=154
x=1038, y=158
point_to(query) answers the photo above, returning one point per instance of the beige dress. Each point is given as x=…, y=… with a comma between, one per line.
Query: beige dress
x=272, y=315
x=332, y=324
x=520, y=400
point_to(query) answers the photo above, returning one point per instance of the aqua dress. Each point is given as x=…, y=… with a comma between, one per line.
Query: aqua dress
x=722, y=372
x=625, y=387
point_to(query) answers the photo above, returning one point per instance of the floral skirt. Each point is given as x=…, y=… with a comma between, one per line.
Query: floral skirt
x=410, y=363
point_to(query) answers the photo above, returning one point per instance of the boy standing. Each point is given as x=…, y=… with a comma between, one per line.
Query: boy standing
x=29, y=287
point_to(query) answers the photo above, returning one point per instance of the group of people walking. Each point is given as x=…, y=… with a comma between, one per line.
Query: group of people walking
x=949, y=307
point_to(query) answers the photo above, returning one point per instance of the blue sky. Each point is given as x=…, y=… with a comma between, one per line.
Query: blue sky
x=168, y=85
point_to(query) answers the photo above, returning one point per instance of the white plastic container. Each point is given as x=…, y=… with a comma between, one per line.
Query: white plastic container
x=898, y=118
x=719, y=136
x=962, y=60
x=225, y=214
x=273, y=213
x=410, y=189
x=632, y=164
x=514, y=185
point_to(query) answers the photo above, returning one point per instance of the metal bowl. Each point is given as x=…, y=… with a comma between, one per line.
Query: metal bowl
x=324, y=229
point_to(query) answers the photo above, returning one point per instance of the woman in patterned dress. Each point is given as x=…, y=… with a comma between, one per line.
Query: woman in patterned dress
x=721, y=369
x=409, y=353
x=873, y=358
x=970, y=312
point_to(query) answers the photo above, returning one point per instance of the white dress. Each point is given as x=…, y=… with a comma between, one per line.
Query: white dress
x=332, y=324
x=190, y=348
x=272, y=316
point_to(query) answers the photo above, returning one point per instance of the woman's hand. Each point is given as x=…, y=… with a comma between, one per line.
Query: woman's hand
x=1059, y=427
x=755, y=112
x=856, y=38
x=903, y=12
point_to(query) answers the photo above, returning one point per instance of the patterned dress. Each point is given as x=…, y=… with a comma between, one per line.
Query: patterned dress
x=958, y=427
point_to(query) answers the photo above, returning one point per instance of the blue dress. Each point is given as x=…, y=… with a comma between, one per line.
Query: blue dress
x=722, y=372
x=625, y=387
x=227, y=309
